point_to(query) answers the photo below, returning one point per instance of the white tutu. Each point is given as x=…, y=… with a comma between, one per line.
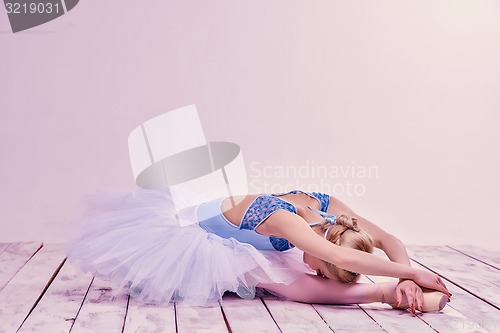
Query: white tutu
x=135, y=240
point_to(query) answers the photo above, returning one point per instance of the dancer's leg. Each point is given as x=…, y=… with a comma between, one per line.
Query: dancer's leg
x=315, y=289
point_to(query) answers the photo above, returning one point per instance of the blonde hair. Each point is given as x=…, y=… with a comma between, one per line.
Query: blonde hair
x=345, y=232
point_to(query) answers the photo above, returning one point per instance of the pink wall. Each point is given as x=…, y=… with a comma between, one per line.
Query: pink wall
x=408, y=88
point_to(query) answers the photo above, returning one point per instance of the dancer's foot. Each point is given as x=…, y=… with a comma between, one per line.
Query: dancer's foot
x=433, y=300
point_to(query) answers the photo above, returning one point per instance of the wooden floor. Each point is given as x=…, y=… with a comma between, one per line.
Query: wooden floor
x=40, y=292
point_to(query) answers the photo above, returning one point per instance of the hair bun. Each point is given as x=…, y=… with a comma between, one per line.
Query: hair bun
x=347, y=221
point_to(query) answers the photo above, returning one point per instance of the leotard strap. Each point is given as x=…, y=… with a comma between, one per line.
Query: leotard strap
x=330, y=218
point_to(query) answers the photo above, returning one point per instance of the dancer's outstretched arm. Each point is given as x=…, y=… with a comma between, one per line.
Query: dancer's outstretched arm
x=298, y=232
x=390, y=244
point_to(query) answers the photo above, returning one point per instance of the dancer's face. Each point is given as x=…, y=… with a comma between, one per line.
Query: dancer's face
x=318, y=265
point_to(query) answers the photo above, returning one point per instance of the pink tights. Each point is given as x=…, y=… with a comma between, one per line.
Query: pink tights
x=315, y=289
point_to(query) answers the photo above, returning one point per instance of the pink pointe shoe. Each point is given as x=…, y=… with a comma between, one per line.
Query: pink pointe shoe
x=433, y=300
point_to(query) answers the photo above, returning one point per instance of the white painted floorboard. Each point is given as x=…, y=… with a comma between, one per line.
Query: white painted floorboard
x=40, y=292
x=20, y=295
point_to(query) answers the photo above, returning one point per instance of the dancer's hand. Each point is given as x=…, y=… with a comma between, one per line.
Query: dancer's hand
x=430, y=280
x=413, y=293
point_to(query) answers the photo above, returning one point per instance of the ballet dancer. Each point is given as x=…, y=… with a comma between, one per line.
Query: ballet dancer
x=303, y=246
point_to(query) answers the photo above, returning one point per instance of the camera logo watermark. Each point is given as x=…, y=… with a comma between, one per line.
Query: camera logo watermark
x=336, y=180
x=26, y=14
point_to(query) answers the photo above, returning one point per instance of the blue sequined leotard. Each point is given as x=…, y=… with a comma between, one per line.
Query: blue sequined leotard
x=257, y=212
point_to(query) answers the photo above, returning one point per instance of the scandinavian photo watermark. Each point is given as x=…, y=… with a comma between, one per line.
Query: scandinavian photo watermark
x=26, y=14
x=349, y=179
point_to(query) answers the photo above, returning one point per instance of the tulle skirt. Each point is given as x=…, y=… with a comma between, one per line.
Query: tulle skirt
x=135, y=240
